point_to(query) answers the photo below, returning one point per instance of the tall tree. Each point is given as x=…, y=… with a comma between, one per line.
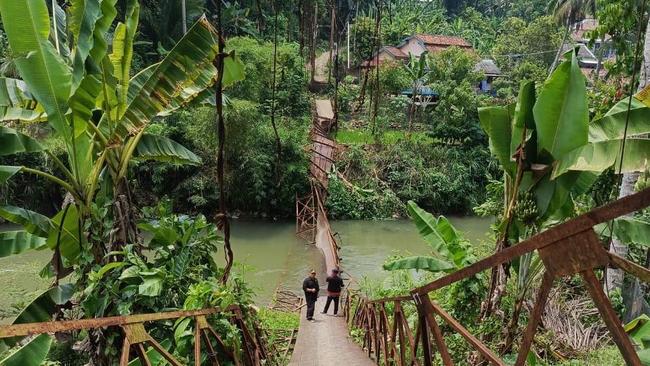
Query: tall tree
x=614, y=278
x=569, y=12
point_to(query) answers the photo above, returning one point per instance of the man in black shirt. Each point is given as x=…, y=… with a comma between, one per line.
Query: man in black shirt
x=311, y=288
x=334, y=286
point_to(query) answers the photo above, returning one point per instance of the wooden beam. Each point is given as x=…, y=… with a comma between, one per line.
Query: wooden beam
x=20, y=330
x=569, y=228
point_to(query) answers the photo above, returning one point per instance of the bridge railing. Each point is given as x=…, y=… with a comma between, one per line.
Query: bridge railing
x=136, y=337
x=568, y=249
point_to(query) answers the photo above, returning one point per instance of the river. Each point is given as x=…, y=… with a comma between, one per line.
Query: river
x=270, y=252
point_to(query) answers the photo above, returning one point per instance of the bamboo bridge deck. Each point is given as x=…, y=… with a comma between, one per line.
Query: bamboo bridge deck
x=324, y=341
x=568, y=249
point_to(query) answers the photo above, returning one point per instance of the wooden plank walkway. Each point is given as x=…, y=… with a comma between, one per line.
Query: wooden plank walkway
x=325, y=341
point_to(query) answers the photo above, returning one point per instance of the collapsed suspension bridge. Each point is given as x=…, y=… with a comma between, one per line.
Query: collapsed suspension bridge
x=571, y=248
x=568, y=249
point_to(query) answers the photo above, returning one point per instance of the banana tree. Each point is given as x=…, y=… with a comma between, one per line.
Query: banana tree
x=82, y=86
x=550, y=153
x=449, y=250
x=85, y=91
x=417, y=69
x=527, y=139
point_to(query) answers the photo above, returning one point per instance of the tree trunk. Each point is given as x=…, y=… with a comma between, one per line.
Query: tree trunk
x=331, y=56
x=614, y=279
x=412, y=108
x=559, y=49
x=184, y=15
x=599, y=58
x=312, y=43
x=125, y=229
x=301, y=30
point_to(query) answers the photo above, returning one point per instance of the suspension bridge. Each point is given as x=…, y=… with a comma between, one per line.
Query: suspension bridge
x=387, y=338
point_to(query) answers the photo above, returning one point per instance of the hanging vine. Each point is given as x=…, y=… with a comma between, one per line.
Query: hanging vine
x=278, y=143
x=375, y=104
x=222, y=217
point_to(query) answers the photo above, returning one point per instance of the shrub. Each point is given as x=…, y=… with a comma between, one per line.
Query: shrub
x=251, y=158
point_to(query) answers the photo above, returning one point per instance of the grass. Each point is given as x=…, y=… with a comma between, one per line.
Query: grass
x=278, y=326
x=274, y=319
x=608, y=355
x=363, y=137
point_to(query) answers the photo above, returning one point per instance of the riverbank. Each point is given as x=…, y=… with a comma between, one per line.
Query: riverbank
x=269, y=254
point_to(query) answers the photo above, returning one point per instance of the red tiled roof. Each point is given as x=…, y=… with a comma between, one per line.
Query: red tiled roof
x=395, y=51
x=440, y=40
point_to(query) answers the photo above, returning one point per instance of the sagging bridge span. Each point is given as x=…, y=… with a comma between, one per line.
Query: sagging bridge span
x=387, y=337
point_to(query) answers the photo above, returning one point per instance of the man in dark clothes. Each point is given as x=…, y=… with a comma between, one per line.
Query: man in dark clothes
x=311, y=288
x=334, y=286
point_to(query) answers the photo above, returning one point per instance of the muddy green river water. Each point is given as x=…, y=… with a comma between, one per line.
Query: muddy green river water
x=269, y=252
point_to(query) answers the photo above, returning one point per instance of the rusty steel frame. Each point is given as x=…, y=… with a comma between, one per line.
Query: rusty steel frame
x=568, y=249
x=136, y=336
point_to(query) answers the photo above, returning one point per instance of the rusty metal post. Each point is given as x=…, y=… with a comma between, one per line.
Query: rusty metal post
x=538, y=310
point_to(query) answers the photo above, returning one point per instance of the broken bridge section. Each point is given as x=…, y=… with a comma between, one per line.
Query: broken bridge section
x=326, y=340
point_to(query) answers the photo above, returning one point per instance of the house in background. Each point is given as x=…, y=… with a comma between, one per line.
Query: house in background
x=386, y=54
x=419, y=43
x=491, y=72
x=589, y=52
x=416, y=45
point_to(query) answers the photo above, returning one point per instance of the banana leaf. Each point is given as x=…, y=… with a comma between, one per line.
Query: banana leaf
x=612, y=125
x=599, y=156
x=163, y=149
x=17, y=103
x=123, y=52
x=42, y=308
x=65, y=234
x=628, y=230
x=14, y=142
x=16, y=242
x=438, y=233
x=186, y=71
x=84, y=15
x=496, y=121
x=33, y=353
x=561, y=111
x=6, y=172
x=430, y=264
x=524, y=120
x=32, y=222
x=46, y=74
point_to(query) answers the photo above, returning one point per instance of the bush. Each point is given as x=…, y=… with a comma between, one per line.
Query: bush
x=345, y=202
x=393, y=78
x=455, y=117
x=251, y=159
x=441, y=179
x=292, y=98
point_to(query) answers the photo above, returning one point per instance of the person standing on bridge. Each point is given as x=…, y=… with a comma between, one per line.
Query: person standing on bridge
x=310, y=287
x=334, y=286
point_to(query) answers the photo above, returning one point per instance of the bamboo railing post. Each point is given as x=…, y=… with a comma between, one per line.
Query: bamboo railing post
x=394, y=337
x=144, y=360
x=384, y=330
x=126, y=349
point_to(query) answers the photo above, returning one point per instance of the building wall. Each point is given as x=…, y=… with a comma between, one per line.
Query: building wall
x=413, y=46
